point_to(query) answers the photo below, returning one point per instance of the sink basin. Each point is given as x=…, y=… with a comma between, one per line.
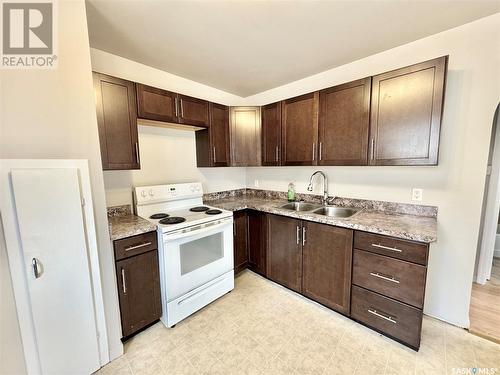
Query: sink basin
x=300, y=206
x=335, y=211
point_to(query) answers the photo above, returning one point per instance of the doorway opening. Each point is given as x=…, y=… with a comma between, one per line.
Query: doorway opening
x=484, y=313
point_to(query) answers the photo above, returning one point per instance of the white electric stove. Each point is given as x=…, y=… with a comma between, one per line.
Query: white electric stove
x=195, y=247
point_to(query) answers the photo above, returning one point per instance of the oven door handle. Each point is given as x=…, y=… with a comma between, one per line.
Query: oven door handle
x=197, y=230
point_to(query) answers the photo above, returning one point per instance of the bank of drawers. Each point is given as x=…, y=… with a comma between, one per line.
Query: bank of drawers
x=389, y=285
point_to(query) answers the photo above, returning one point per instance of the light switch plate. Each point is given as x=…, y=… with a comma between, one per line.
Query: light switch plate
x=416, y=194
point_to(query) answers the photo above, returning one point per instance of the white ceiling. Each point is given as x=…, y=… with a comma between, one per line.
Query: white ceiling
x=247, y=47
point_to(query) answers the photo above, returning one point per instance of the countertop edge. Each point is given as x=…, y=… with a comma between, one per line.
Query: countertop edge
x=343, y=223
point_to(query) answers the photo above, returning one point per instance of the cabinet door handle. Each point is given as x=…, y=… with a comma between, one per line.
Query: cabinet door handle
x=215, y=158
x=137, y=152
x=137, y=246
x=320, y=150
x=36, y=270
x=176, y=107
x=373, y=149
x=124, y=283
x=382, y=316
x=277, y=153
x=182, y=108
x=387, y=278
x=387, y=248
x=314, y=151
x=298, y=234
x=303, y=236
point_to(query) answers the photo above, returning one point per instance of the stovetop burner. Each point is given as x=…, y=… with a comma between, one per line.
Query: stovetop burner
x=213, y=212
x=158, y=216
x=199, y=209
x=172, y=220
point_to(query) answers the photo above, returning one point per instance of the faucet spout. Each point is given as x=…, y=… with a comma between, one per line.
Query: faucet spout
x=325, y=185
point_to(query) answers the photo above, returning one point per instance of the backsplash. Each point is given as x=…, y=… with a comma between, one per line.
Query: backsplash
x=381, y=206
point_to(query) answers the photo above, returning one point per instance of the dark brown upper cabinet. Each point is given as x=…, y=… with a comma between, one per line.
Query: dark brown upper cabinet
x=245, y=136
x=156, y=104
x=299, y=130
x=327, y=259
x=117, y=122
x=193, y=111
x=406, y=111
x=162, y=105
x=212, y=144
x=344, y=123
x=271, y=134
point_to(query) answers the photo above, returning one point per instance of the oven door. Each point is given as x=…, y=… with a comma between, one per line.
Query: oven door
x=196, y=255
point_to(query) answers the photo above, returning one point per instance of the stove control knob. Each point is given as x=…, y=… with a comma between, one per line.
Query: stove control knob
x=192, y=188
x=197, y=188
x=151, y=193
x=143, y=193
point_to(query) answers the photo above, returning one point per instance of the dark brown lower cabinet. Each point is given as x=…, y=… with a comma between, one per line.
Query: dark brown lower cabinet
x=284, y=251
x=240, y=254
x=327, y=258
x=256, y=242
x=138, y=291
x=388, y=316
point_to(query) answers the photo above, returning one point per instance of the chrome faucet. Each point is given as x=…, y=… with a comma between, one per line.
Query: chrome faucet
x=325, y=185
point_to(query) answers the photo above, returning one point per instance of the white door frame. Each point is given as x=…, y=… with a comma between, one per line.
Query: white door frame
x=16, y=263
x=491, y=212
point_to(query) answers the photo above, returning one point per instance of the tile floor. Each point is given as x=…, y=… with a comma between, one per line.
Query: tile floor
x=262, y=328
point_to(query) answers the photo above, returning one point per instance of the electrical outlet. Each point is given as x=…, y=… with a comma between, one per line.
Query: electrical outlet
x=256, y=183
x=416, y=194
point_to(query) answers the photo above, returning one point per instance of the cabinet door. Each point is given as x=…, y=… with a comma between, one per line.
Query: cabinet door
x=406, y=114
x=299, y=129
x=245, y=136
x=117, y=122
x=156, y=104
x=219, y=135
x=256, y=244
x=284, y=251
x=344, y=120
x=327, y=265
x=138, y=291
x=240, y=241
x=193, y=111
x=271, y=134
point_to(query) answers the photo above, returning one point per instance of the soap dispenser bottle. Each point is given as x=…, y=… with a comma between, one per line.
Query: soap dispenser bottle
x=291, y=192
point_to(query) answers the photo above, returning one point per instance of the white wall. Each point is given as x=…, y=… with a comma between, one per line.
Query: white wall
x=456, y=184
x=167, y=155
x=51, y=114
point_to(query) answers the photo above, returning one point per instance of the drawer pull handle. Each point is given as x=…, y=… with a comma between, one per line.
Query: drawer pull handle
x=379, y=315
x=387, y=248
x=137, y=246
x=391, y=279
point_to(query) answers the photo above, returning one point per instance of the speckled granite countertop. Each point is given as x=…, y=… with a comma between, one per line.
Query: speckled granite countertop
x=410, y=227
x=123, y=223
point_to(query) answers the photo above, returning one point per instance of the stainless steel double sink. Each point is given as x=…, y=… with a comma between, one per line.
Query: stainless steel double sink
x=330, y=211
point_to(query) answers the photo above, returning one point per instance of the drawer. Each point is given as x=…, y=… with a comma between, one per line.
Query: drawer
x=135, y=245
x=390, y=317
x=406, y=250
x=394, y=278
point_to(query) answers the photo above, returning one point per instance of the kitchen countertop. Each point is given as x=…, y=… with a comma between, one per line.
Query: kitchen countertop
x=409, y=227
x=123, y=223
